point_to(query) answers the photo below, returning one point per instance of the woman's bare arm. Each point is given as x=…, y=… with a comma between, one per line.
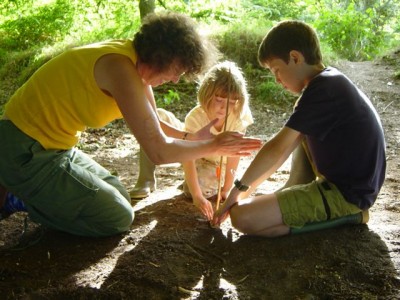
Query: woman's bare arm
x=117, y=76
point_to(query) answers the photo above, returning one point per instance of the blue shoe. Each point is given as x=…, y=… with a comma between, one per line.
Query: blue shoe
x=11, y=205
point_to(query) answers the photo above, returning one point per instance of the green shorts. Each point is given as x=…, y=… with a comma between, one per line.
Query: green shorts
x=313, y=202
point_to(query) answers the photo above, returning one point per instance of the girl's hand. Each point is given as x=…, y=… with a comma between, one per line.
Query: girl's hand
x=224, y=195
x=205, y=132
x=204, y=206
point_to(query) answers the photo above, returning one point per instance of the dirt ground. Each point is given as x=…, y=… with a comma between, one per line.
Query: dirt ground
x=172, y=253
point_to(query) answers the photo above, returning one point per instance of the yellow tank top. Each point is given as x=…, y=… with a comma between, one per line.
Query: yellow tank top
x=62, y=98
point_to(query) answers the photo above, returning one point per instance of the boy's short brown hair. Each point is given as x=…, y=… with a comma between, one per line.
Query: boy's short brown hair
x=169, y=37
x=287, y=36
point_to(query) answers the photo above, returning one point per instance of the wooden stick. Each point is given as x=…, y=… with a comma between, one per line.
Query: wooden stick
x=219, y=172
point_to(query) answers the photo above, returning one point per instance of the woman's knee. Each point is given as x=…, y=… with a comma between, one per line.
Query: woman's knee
x=113, y=213
x=120, y=222
x=125, y=216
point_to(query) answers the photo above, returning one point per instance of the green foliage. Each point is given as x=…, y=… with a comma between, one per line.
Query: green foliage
x=65, y=21
x=33, y=31
x=268, y=91
x=239, y=42
x=273, y=10
x=168, y=98
x=350, y=31
x=36, y=25
x=207, y=10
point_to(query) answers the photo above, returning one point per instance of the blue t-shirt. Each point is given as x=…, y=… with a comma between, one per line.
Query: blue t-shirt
x=344, y=135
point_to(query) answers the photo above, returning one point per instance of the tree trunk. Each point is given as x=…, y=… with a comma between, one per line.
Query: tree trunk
x=146, y=7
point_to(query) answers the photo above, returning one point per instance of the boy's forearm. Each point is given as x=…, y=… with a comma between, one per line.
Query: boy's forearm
x=271, y=156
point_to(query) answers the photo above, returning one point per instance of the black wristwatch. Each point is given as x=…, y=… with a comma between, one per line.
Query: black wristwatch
x=241, y=187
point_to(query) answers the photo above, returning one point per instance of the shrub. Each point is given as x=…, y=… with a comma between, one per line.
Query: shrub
x=36, y=26
x=353, y=33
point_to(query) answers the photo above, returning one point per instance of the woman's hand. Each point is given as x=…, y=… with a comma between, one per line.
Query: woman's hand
x=231, y=143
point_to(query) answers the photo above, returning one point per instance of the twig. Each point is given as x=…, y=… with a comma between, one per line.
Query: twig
x=221, y=159
x=185, y=291
x=208, y=252
x=384, y=109
x=194, y=248
x=194, y=251
x=243, y=279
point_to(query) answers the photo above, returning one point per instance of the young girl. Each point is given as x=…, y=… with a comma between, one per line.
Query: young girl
x=222, y=83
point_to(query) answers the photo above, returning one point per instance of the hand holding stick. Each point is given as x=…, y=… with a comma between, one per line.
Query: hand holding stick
x=219, y=170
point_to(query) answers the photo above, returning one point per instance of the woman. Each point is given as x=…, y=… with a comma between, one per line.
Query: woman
x=90, y=86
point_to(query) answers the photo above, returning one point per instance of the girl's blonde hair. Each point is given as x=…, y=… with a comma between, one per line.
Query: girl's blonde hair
x=218, y=81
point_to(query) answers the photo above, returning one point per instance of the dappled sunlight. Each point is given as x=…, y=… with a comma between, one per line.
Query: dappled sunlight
x=228, y=289
x=156, y=196
x=95, y=275
x=45, y=2
x=229, y=232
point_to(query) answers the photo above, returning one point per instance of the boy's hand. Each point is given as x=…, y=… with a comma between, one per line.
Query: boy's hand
x=223, y=212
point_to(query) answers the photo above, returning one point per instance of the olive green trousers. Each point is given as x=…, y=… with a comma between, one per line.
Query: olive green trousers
x=62, y=189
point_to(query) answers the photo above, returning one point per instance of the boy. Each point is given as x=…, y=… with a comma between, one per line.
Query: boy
x=337, y=127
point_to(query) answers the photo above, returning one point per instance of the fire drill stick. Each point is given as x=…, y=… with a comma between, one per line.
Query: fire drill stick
x=219, y=170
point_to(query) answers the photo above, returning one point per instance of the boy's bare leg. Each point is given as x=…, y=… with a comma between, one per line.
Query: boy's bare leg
x=259, y=215
x=301, y=171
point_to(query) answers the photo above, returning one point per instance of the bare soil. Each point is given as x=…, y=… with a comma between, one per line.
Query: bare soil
x=171, y=252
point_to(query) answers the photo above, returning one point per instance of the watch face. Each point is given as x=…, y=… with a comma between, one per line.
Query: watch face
x=240, y=186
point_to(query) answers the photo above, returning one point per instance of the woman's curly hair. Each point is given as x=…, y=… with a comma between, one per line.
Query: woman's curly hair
x=170, y=37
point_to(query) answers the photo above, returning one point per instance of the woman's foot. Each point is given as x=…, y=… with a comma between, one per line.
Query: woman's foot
x=10, y=204
x=142, y=190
